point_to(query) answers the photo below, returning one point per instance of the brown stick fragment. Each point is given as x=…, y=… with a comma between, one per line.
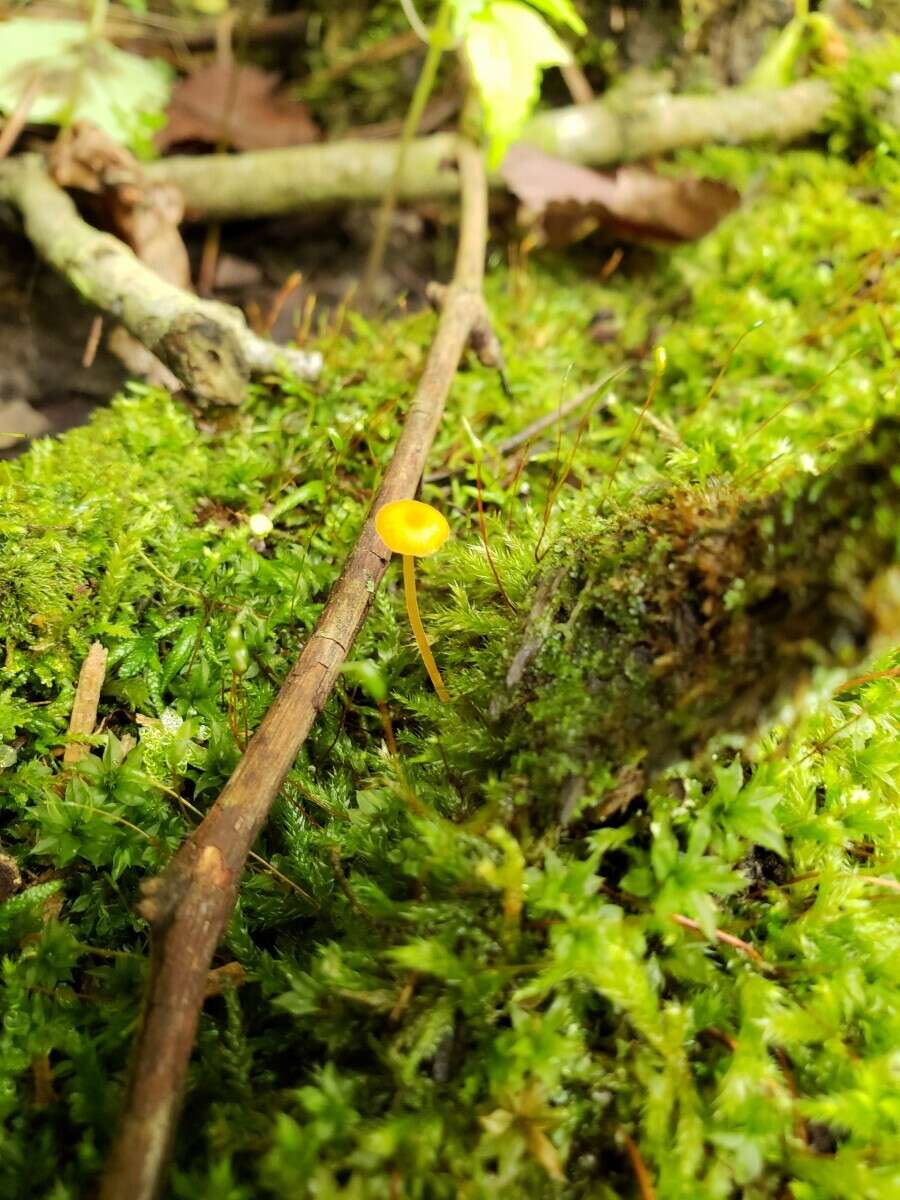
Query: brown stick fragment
x=530, y=432
x=87, y=697
x=93, y=342
x=641, y=1174
x=727, y=939
x=577, y=82
x=18, y=119
x=42, y=1076
x=189, y=905
x=378, y=52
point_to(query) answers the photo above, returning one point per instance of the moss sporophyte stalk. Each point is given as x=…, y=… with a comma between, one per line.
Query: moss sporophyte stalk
x=414, y=529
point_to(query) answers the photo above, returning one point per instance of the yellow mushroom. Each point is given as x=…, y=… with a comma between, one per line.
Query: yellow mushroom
x=414, y=529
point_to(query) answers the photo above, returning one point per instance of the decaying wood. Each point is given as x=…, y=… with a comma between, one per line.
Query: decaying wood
x=274, y=182
x=806, y=564
x=87, y=697
x=189, y=905
x=207, y=345
x=10, y=876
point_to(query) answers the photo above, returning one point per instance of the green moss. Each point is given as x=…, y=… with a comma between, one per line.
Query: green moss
x=477, y=998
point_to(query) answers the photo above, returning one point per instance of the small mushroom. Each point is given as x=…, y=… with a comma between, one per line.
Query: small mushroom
x=414, y=529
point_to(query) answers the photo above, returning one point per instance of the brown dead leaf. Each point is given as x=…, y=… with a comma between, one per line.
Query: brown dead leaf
x=237, y=105
x=145, y=215
x=567, y=202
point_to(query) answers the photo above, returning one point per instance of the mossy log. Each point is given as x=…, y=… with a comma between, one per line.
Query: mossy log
x=691, y=613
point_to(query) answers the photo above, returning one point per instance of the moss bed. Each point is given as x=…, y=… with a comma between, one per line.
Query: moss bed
x=645, y=903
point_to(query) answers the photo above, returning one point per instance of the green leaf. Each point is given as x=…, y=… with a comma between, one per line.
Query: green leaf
x=563, y=12
x=79, y=78
x=508, y=47
x=369, y=676
x=464, y=11
x=778, y=65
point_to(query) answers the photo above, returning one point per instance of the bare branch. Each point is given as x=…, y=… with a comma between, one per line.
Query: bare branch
x=272, y=182
x=189, y=905
x=207, y=345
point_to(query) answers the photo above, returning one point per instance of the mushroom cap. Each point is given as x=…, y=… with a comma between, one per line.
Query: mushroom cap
x=411, y=527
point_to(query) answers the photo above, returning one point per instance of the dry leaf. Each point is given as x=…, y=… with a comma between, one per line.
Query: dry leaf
x=145, y=215
x=567, y=201
x=236, y=105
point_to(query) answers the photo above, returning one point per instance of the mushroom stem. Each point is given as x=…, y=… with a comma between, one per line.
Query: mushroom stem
x=412, y=607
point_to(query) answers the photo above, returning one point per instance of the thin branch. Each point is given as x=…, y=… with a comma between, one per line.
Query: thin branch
x=641, y=1174
x=860, y=680
x=207, y=345
x=577, y=82
x=530, y=432
x=18, y=119
x=727, y=939
x=87, y=697
x=525, y=437
x=189, y=905
x=274, y=182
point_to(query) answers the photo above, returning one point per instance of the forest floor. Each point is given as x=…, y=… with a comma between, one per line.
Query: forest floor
x=620, y=919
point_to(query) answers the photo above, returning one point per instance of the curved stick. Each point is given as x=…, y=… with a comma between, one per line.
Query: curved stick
x=206, y=344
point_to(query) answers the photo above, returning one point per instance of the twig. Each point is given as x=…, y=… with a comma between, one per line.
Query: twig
x=641, y=1174
x=156, y=30
x=87, y=697
x=274, y=182
x=537, y=627
x=859, y=680
x=664, y=429
x=207, y=345
x=727, y=939
x=93, y=342
x=18, y=119
x=377, y=52
x=189, y=905
x=577, y=82
x=530, y=432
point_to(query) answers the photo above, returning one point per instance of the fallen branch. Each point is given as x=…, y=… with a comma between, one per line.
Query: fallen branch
x=527, y=435
x=274, y=182
x=87, y=698
x=189, y=905
x=206, y=345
